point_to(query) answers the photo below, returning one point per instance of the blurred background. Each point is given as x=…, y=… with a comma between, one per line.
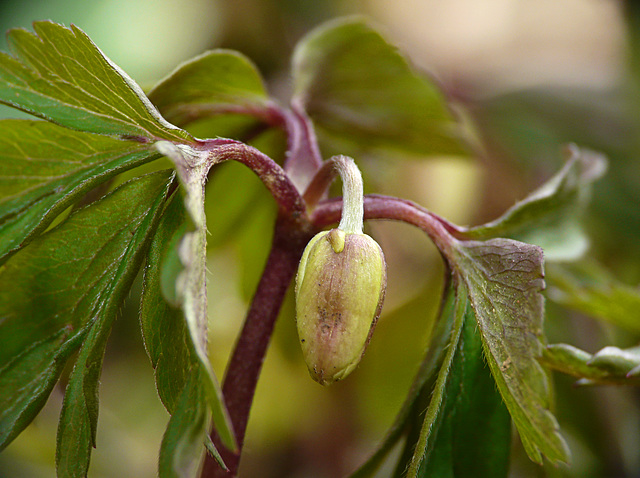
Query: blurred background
x=526, y=76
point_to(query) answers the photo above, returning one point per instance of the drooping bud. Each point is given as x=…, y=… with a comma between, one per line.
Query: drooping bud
x=339, y=293
x=340, y=286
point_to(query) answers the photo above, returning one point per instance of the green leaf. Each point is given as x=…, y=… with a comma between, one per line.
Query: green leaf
x=422, y=384
x=611, y=365
x=356, y=86
x=182, y=444
x=589, y=288
x=472, y=433
x=466, y=427
x=433, y=415
x=179, y=378
x=26, y=380
x=549, y=217
x=52, y=292
x=164, y=329
x=190, y=284
x=218, y=81
x=505, y=281
x=60, y=75
x=45, y=168
x=79, y=415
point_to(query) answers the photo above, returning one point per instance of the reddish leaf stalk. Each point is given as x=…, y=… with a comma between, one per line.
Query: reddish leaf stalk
x=270, y=173
x=246, y=362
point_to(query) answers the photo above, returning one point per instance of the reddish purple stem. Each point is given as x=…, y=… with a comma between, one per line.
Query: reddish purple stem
x=246, y=362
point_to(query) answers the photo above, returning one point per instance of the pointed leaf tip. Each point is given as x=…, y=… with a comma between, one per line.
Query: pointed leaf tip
x=59, y=74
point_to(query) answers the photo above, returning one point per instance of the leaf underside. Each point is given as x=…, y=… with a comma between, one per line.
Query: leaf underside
x=550, y=216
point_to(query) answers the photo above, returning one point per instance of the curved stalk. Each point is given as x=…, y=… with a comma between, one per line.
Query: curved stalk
x=290, y=202
x=352, y=193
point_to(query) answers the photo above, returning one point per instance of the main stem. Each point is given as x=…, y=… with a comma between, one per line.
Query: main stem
x=246, y=362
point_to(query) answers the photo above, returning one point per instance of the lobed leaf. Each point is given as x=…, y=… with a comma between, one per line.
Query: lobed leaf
x=79, y=415
x=356, y=86
x=423, y=383
x=549, y=217
x=59, y=74
x=168, y=342
x=505, y=281
x=611, y=365
x=166, y=336
x=53, y=292
x=433, y=415
x=45, y=168
x=218, y=81
x=466, y=427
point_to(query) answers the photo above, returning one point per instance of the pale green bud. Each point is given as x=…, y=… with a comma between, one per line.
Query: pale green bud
x=339, y=293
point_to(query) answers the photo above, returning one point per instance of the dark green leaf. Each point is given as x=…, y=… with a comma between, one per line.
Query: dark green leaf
x=59, y=74
x=356, y=86
x=27, y=380
x=164, y=329
x=611, y=365
x=79, y=416
x=505, y=281
x=587, y=287
x=423, y=383
x=433, y=415
x=182, y=445
x=44, y=168
x=218, y=81
x=52, y=291
x=473, y=435
x=168, y=342
x=549, y=217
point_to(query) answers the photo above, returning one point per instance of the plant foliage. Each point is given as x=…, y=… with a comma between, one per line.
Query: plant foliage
x=69, y=259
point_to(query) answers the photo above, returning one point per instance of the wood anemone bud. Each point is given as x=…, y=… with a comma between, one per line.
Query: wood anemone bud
x=339, y=293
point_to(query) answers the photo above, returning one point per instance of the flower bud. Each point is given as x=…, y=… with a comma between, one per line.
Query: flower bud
x=339, y=292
